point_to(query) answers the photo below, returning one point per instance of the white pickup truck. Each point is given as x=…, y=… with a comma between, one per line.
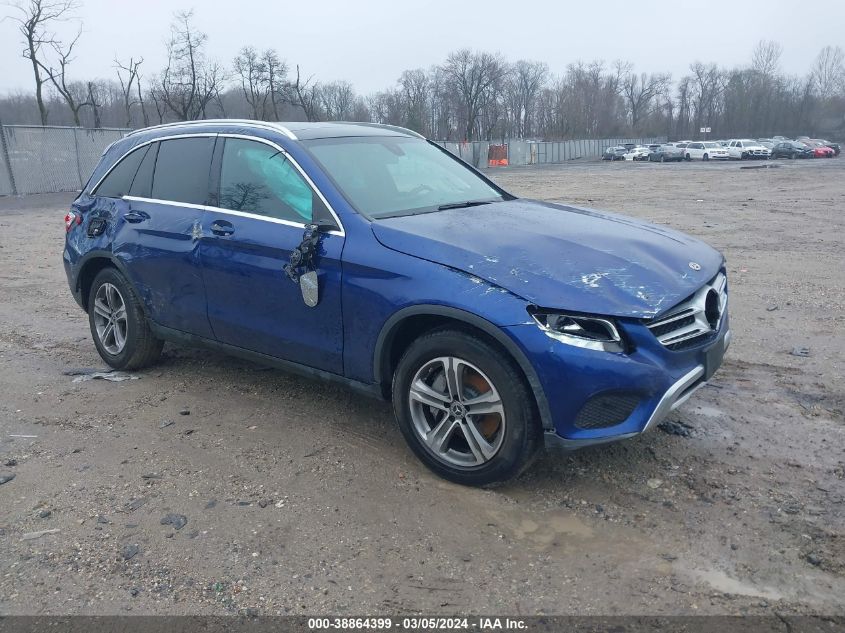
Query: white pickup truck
x=747, y=148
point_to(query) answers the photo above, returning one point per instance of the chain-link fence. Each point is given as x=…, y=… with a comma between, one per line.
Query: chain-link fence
x=36, y=159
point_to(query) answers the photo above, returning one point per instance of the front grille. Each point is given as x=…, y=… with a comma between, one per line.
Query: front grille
x=607, y=409
x=694, y=320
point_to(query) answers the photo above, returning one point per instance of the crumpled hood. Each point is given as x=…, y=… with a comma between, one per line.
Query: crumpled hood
x=558, y=256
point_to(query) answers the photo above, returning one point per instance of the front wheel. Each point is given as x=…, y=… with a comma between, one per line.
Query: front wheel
x=705, y=157
x=119, y=327
x=464, y=408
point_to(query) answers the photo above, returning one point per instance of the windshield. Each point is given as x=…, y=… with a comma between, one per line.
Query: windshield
x=711, y=145
x=390, y=176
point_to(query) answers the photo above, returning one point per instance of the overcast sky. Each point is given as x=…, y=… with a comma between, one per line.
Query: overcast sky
x=370, y=42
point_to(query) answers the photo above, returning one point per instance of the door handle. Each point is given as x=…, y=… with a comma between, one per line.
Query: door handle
x=221, y=227
x=135, y=216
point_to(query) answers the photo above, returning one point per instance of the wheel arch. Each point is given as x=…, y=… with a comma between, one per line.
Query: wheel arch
x=90, y=266
x=407, y=324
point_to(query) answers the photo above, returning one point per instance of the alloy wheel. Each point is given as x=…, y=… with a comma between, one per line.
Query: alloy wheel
x=110, y=320
x=457, y=412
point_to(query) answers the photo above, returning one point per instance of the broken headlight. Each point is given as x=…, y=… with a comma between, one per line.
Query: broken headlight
x=581, y=331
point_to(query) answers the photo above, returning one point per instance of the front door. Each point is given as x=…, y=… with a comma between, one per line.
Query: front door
x=263, y=205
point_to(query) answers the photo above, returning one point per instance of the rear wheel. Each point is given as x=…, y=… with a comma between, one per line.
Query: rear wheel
x=705, y=157
x=119, y=327
x=464, y=408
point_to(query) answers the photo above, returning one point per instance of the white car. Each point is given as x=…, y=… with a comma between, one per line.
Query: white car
x=706, y=150
x=640, y=152
x=747, y=148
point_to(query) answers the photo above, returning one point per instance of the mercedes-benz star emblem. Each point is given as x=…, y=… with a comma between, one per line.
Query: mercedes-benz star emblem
x=695, y=265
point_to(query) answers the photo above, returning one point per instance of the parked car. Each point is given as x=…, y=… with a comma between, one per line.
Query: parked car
x=638, y=153
x=331, y=249
x=791, y=149
x=614, y=153
x=836, y=147
x=820, y=150
x=747, y=148
x=705, y=150
x=667, y=152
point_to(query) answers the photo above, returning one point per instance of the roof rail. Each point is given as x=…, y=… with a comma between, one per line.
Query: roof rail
x=395, y=128
x=250, y=122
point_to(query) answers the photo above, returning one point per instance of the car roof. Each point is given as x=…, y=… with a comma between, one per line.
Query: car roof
x=294, y=130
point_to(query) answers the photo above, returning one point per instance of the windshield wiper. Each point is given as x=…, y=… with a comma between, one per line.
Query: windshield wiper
x=462, y=205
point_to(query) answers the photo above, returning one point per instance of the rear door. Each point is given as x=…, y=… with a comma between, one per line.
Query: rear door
x=159, y=236
x=263, y=202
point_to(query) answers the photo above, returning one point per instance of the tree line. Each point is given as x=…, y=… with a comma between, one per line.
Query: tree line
x=471, y=95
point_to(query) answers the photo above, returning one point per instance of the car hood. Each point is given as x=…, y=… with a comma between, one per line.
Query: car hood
x=557, y=256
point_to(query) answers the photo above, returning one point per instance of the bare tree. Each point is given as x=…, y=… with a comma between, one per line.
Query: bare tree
x=766, y=57
x=276, y=71
x=132, y=76
x=338, y=100
x=75, y=97
x=414, y=95
x=828, y=72
x=641, y=91
x=473, y=75
x=306, y=95
x=94, y=100
x=35, y=19
x=524, y=83
x=189, y=82
x=253, y=77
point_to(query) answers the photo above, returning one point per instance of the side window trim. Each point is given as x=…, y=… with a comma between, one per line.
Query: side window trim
x=119, y=162
x=215, y=179
x=139, y=146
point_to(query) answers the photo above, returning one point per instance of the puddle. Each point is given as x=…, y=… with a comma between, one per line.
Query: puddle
x=546, y=528
x=720, y=581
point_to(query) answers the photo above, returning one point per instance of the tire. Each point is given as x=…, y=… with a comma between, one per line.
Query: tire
x=130, y=343
x=705, y=157
x=688, y=158
x=475, y=450
x=662, y=158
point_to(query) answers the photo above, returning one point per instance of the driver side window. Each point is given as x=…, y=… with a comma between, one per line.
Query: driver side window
x=257, y=178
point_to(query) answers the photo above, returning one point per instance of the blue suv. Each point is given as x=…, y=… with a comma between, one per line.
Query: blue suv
x=366, y=255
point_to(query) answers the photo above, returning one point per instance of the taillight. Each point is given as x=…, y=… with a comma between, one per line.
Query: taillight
x=71, y=218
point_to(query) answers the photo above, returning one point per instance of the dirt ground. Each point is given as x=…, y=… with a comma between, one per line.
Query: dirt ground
x=302, y=498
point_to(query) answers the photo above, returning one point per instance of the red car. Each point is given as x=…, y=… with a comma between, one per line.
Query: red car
x=820, y=150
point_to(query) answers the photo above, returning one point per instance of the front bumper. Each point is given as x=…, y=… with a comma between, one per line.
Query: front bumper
x=655, y=378
x=677, y=394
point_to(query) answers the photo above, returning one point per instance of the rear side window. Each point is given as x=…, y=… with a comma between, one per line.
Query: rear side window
x=119, y=180
x=143, y=184
x=182, y=168
x=257, y=178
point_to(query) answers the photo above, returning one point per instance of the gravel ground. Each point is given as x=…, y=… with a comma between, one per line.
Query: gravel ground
x=213, y=486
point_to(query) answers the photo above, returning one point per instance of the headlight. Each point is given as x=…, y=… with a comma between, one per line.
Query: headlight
x=581, y=331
